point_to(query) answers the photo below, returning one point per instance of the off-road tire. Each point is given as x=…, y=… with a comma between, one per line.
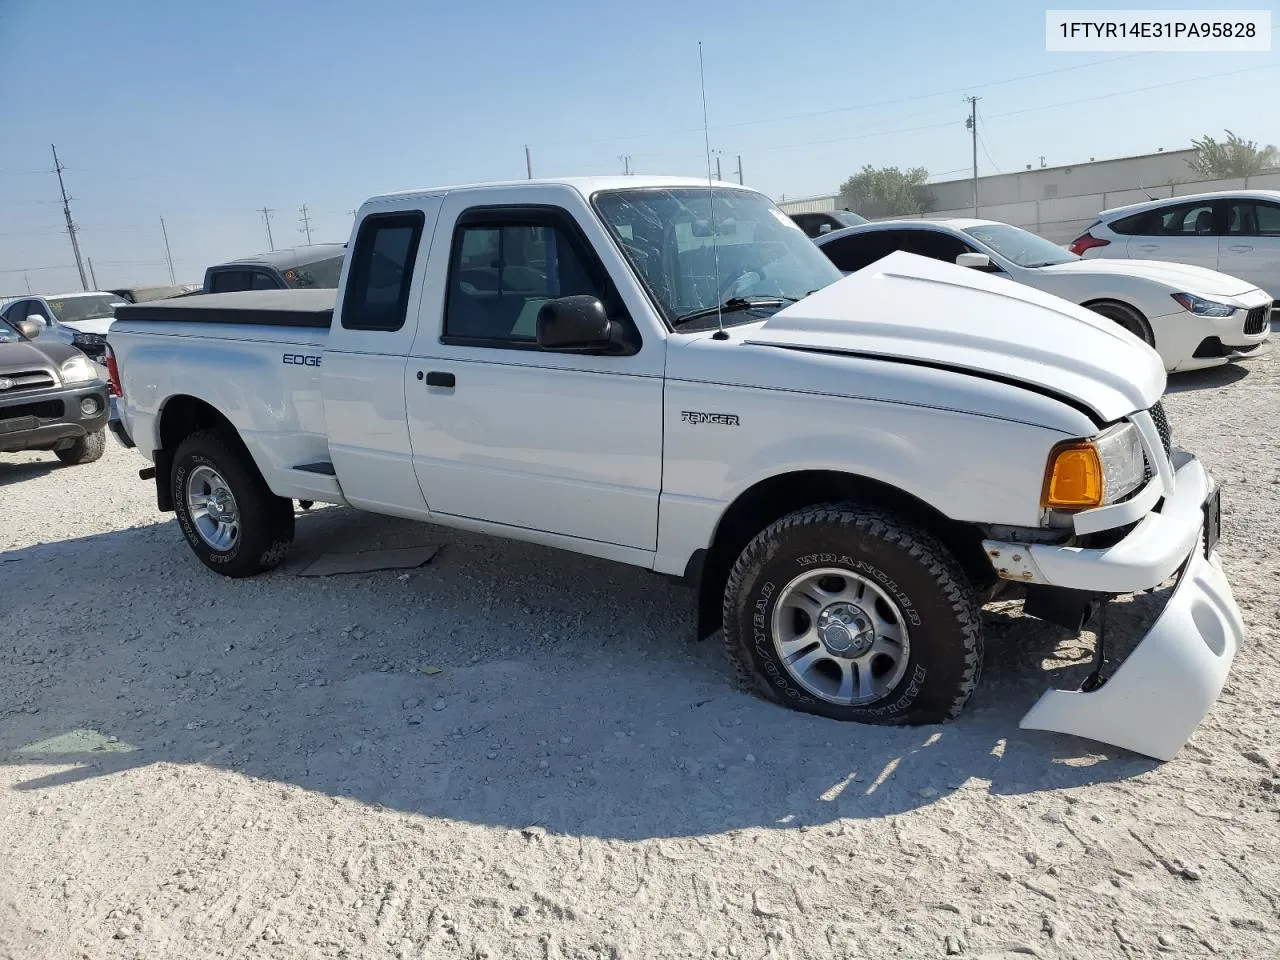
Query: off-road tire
x=938, y=602
x=87, y=449
x=1127, y=317
x=266, y=521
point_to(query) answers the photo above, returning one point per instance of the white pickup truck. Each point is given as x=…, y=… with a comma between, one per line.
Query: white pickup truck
x=668, y=373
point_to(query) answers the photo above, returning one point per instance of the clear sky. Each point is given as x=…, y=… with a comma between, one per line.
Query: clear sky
x=204, y=112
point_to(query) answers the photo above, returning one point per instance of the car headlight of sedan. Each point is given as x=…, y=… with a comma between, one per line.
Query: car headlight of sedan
x=1090, y=473
x=1202, y=307
x=78, y=370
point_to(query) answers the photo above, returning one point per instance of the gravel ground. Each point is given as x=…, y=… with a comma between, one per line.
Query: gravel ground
x=517, y=753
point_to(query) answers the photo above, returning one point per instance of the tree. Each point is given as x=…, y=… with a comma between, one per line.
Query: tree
x=887, y=192
x=1232, y=158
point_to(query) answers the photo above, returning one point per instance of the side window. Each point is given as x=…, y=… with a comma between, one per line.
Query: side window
x=230, y=281
x=936, y=246
x=861, y=250
x=1136, y=224
x=1249, y=219
x=377, y=293
x=502, y=271
x=263, y=281
x=1185, y=220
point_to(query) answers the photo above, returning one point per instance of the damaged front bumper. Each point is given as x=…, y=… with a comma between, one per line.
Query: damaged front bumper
x=1158, y=695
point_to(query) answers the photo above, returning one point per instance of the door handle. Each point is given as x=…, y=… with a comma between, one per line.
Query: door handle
x=1240, y=248
x=1149, y=246
x=439, y=378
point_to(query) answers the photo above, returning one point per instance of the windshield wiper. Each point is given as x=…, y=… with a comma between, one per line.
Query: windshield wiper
x=736, y=304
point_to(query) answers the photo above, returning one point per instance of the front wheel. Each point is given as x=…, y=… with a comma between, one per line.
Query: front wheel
x=1127, y=317
x=855, y=614
x=87, y=449
x=230, y=517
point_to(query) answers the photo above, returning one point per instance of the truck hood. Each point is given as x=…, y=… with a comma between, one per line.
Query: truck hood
x=94, y=325
x=910, y=309
x=1177, y=277
x=25, y=355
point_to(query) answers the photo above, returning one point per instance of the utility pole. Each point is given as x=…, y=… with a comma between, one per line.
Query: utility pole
x=739, y=169
x=306, y=224
x=718, y=177
x=266, y=218
x=66, y=210
x=91, y=274
x=27, y=278
x=972, y=123
x=626, y=164
x=167, y=255
x=528, y=162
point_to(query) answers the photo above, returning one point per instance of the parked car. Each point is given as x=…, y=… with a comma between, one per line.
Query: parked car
x=1236, y=231
x=37, y=310
x=663, y=374
x=84, y=317
x=817, y=224
x=314, y=266
x=1194, y=317
x=51, y=397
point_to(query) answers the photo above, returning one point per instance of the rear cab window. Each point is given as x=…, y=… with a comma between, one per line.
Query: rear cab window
x=381, y=275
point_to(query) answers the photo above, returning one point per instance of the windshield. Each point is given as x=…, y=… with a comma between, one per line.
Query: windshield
x=74, y=309
x=849, y=218
x=323, y=274
x=9, y=334
x=1023, y=248
x=690, y=264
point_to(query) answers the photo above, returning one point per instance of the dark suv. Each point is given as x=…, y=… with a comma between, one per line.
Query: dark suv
x=51, y=397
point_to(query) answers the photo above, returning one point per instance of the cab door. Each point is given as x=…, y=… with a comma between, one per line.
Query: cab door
x=362, y=379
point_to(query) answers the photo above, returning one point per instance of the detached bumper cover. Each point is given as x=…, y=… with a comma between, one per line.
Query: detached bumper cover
x=1154, y=700
x=1157, y=697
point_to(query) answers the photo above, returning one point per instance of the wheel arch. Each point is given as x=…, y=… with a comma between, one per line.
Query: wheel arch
x=1112, y=300
x=774, y=497
x=180, y=416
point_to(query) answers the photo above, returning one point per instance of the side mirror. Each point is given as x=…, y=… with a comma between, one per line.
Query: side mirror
x=578, y=324
x=38, y=320
x=979, y=261
x=28, y=329
x=825, y=228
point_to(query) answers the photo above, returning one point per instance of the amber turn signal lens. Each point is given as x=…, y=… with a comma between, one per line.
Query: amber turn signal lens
x=1073, y=479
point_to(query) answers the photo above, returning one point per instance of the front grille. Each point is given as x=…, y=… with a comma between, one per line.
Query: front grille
x=1161, y=420
x=27, y=380
x=1256, y=320
x=41, y=410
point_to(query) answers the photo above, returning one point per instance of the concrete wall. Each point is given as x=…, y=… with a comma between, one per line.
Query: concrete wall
x=1062, y=219
x=809, y=204
x=1048, y=183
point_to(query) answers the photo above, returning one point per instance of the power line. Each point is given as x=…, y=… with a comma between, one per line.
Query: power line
x=66, y=211
x=983, y=141
x=854, y=107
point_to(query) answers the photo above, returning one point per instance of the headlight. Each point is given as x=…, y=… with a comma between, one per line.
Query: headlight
x=1203, y=308
x=78, y=370
x=1089, y=473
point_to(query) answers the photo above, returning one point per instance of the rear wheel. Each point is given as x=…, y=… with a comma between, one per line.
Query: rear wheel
x=854, y=614
x=87, y=449
x=1127, y=317
x=231, y=519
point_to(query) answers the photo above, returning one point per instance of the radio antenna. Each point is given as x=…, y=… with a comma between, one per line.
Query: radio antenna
x=711, y=194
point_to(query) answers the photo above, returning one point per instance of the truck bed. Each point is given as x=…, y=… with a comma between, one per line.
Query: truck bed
x=270, y=308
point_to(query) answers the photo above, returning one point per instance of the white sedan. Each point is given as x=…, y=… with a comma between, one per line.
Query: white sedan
x=1194, y=317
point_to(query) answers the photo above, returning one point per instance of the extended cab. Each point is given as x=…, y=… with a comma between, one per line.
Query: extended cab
x=667, y=373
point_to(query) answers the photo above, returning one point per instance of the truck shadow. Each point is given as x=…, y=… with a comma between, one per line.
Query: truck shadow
x=503, y=684
x=1207, y=379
